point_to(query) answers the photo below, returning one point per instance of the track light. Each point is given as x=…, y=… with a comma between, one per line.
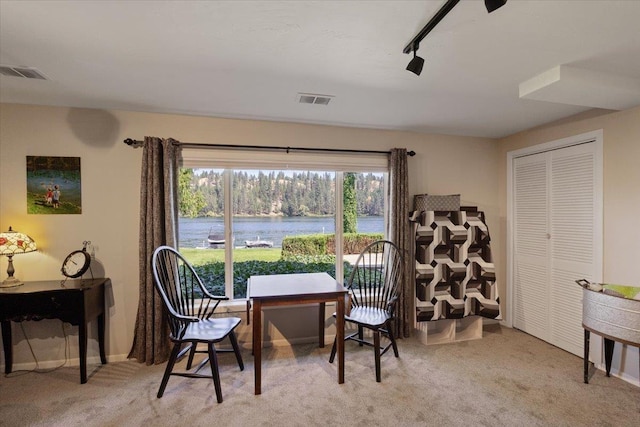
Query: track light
x=494, y=4
x=415, y=65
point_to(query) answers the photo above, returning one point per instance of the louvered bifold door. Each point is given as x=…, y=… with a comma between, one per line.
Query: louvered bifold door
x=531, y=245
x=555, y=207
x=572, y=241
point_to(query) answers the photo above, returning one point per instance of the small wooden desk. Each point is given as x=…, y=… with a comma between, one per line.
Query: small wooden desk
x=288, y=289
x=76, y=302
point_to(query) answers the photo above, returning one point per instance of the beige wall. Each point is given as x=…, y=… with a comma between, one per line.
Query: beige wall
x=621, y=198
x=473, y=167
x=110, y=193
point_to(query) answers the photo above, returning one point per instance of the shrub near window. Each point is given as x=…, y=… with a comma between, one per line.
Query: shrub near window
x=354, y=243
x=312, y=244
x=324, y=244
x=212, y=274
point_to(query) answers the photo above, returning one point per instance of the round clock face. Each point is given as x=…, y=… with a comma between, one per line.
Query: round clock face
x=76, y=264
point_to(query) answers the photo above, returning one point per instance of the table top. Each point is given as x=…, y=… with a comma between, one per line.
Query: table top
x=297, y=284
x=54, y=285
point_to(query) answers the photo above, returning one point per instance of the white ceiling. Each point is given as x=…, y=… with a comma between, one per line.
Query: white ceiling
x=250, y=59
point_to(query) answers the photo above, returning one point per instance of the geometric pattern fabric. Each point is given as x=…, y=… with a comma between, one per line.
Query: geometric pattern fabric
x=455, y=276
x=435, y=202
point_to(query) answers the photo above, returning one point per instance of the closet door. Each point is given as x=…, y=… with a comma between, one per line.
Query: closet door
x=531, y=245
x=573, y=241
x=555, y=241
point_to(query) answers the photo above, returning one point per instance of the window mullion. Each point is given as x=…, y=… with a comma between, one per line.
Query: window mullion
x=228, y=233
x=339, y=221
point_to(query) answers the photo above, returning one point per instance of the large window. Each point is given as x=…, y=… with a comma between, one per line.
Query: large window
x=241, y=221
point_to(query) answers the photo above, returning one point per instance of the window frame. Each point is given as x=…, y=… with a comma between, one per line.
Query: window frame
x=238, y=159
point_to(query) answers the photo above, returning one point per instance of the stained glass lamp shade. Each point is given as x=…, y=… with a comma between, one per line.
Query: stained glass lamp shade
x=13, y=243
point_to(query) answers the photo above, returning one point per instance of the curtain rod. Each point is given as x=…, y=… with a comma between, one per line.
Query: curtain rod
x=135, y=144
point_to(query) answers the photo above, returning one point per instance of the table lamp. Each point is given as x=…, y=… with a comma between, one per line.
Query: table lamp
x=12, y=243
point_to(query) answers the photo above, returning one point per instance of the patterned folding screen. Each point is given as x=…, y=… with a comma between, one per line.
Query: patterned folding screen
x=455, y=276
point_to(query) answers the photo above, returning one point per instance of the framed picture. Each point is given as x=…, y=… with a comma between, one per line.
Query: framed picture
x=53, y=185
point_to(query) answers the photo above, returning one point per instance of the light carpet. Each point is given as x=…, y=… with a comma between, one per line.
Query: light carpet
x=507, y=378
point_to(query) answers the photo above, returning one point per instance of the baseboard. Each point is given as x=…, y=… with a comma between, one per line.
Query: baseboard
x=623, y=376
x=75, y=362
x=282, y=342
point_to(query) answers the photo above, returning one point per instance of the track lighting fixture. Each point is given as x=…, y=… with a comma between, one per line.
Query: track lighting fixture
x=494, y=4
x=430, y=25
x=415, y=65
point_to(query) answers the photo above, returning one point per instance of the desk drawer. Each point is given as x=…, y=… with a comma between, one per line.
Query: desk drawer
x=46, y=305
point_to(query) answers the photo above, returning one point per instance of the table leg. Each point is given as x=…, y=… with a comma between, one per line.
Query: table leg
x=257, y=343
x=586, y=356
x=321, y=313
x=608, y=353
x=340, y=337
x=7, y=344
x=82, y=345
x=103, y=356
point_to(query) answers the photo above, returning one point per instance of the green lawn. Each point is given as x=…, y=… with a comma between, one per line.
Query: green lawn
x=205, y=256
x=36, y=205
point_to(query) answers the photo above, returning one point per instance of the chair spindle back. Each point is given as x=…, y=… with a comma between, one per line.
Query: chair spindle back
x=182, y=291
x=376, y=276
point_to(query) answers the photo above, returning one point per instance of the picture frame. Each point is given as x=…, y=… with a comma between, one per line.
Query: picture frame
x=53, y=185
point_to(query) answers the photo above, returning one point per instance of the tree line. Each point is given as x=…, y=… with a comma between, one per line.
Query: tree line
x=201, y=193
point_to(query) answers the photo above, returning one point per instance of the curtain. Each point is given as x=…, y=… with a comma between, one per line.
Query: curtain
x=158, y=219
x=399, y=232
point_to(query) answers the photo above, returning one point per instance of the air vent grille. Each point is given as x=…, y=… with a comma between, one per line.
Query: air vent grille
x=312, y=98
x=24, y=72
x=322, y=100
x=306, y=99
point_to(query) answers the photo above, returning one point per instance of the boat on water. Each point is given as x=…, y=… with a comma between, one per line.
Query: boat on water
x=215, y=238
x=258, y=243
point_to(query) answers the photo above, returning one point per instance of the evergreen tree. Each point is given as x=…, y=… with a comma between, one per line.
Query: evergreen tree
x=276, y=192
x=191, y=200
x=349, y=214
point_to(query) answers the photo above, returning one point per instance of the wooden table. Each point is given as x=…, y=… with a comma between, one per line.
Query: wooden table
x=76, y=302
x=287, y=289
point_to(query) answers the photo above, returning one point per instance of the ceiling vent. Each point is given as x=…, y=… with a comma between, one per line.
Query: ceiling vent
x=24, y=72
x=312, y=98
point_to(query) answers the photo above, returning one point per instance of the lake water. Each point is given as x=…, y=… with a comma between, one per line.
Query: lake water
x=194, y=231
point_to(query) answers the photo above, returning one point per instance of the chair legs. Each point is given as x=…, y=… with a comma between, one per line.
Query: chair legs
x=213, y=360
x=333, y=351
x=192, y=353
x=236, y=349
x=376, y=345
x=376, y=353
x=168, y=369
x=389, y=333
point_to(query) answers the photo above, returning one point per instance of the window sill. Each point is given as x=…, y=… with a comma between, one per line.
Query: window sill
x=240, y=306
